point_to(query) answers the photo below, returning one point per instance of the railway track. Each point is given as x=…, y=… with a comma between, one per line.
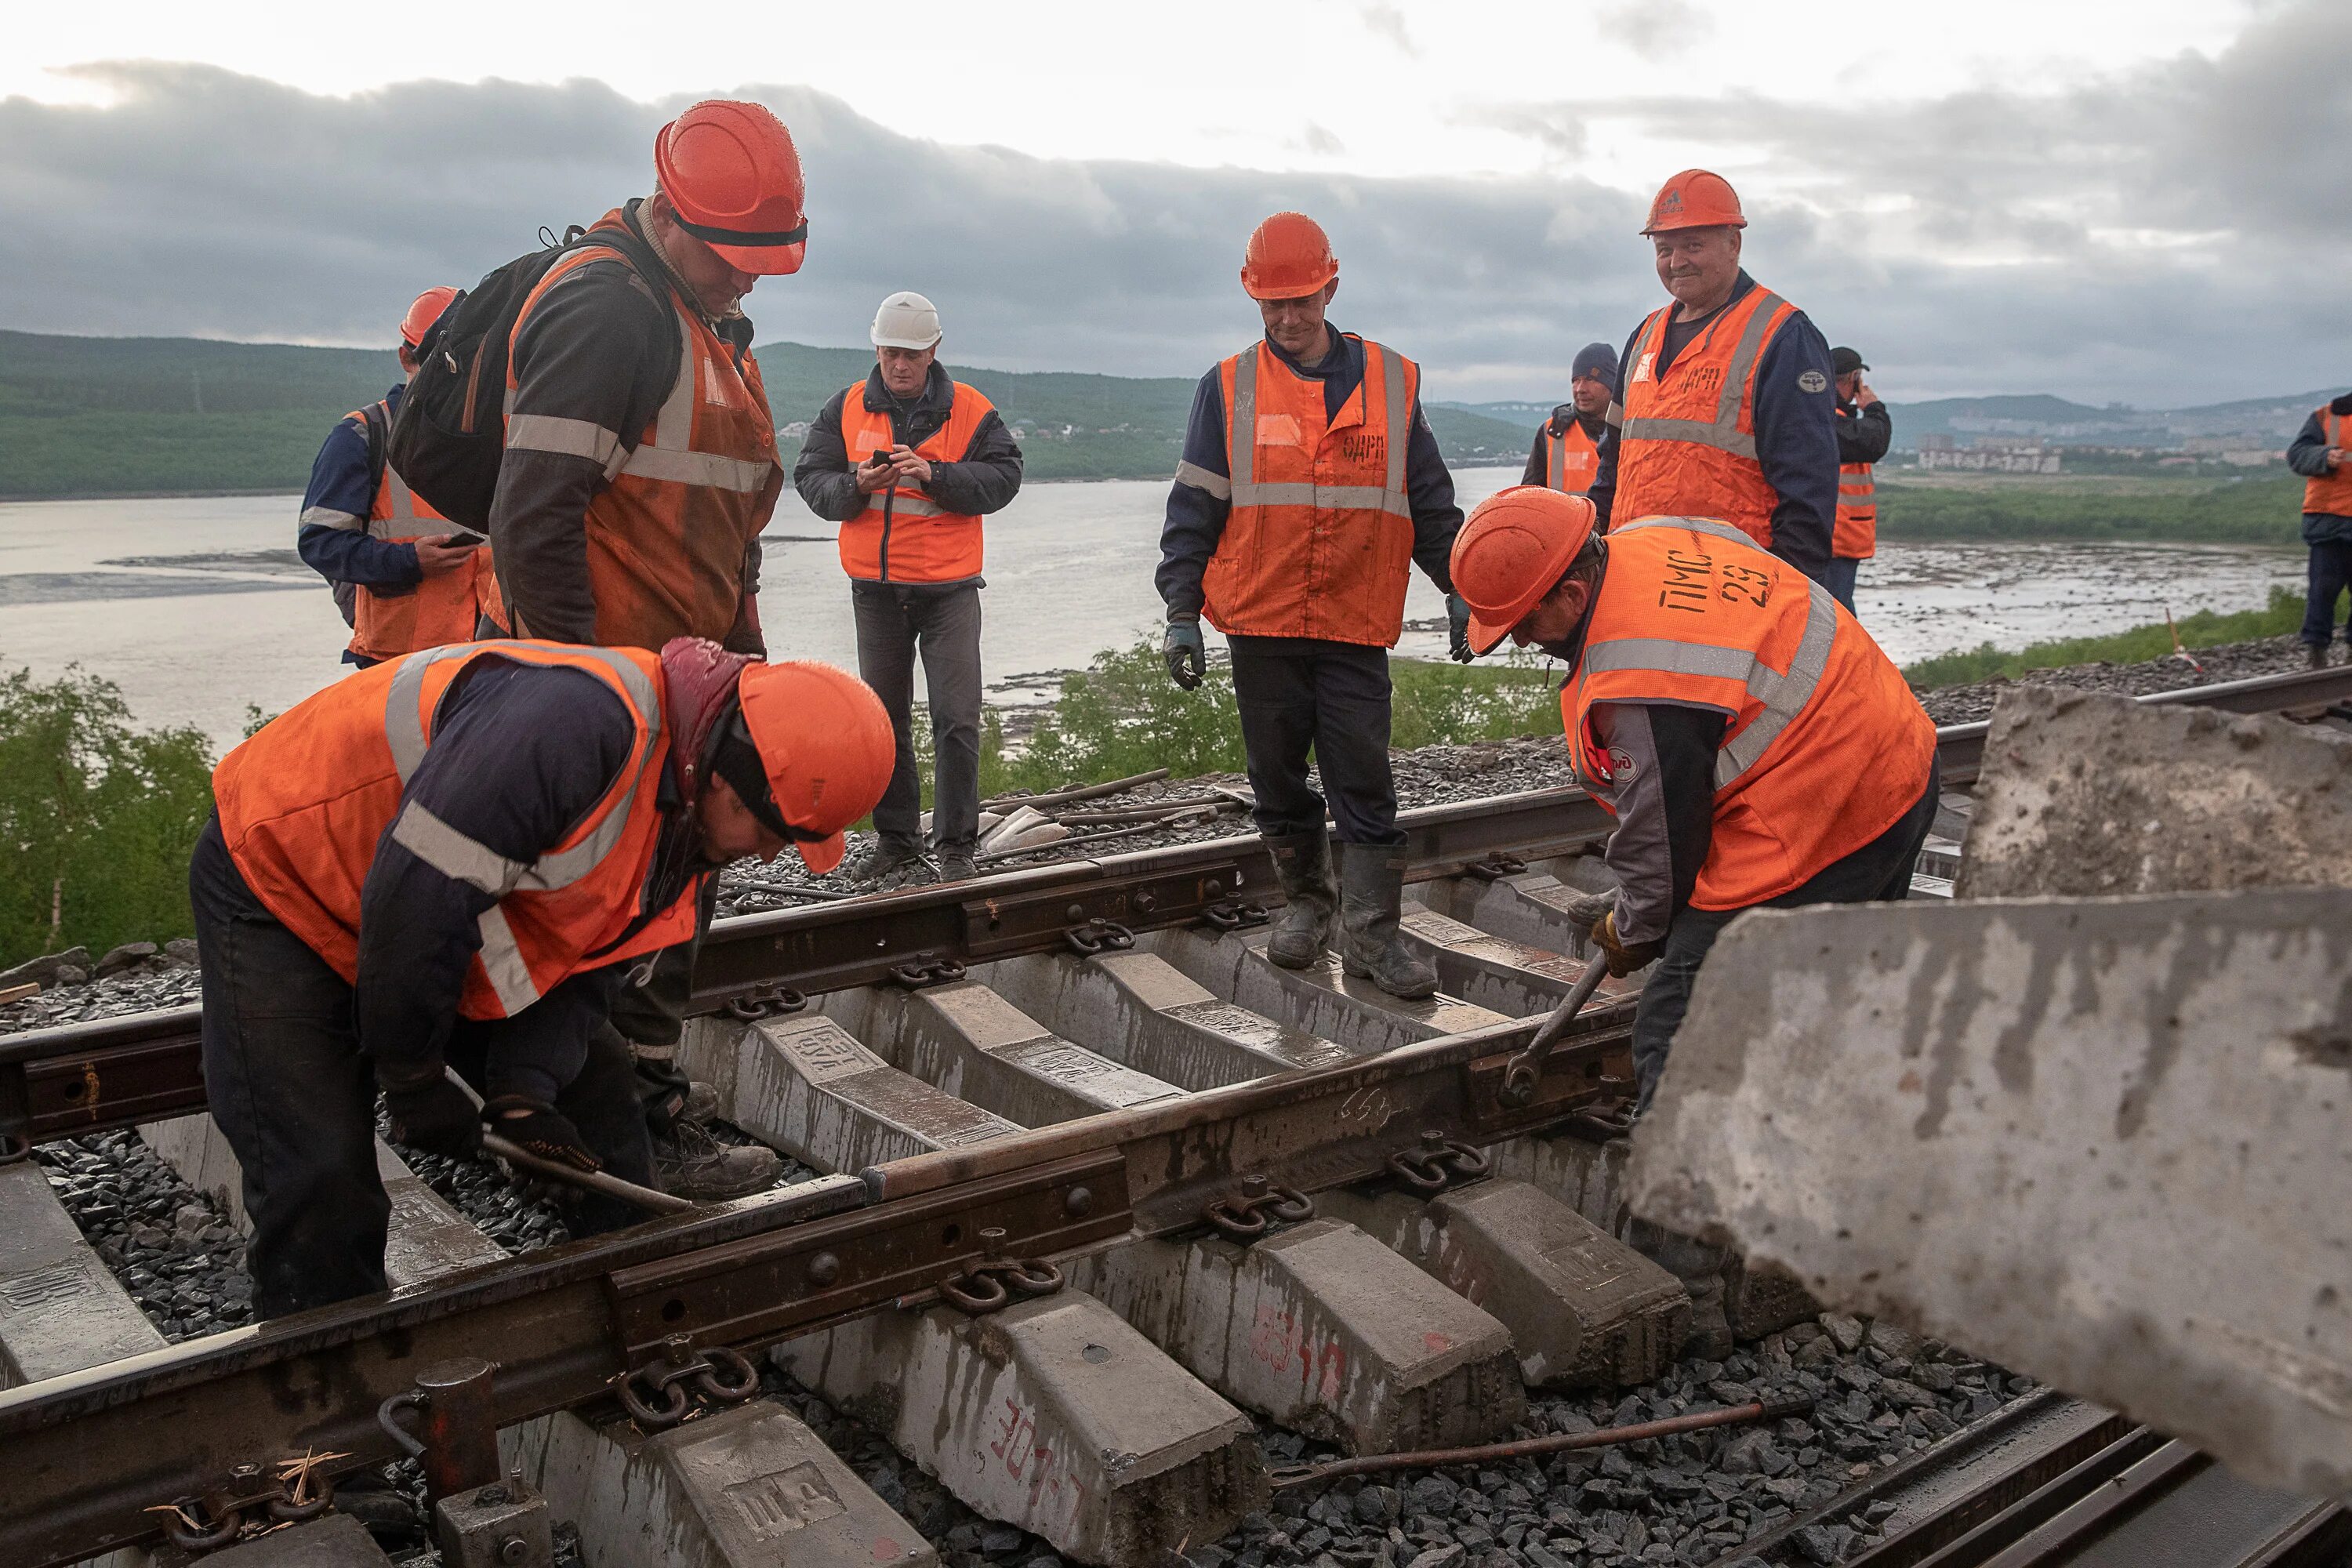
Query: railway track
x=1101, y=1179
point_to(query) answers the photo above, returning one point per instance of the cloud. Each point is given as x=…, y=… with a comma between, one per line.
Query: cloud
x=1388, y=22
x=1655, y=30
x=2168, y=235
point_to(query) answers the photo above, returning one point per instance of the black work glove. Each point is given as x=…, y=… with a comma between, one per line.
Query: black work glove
x=662, y=1090
x=541, y=1129
x=436, y=1116
x=1457, y=628
x=1188, y=660
x=1623, y=957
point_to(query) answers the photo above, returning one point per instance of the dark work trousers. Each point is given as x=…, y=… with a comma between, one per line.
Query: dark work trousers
x=649, y=1005
x=1877, y=873
x=1839, y=579
x=1296, y=693
x=296, y=1097
x=894, y=620
x=2331, y=574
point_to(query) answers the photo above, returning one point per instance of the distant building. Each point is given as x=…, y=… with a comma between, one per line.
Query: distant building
x=1988, y=457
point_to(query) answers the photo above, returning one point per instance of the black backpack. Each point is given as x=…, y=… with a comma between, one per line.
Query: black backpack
x=451, y=430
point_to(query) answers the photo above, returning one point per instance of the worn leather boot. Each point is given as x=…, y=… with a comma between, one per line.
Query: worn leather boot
x=1371, y=887
x=1302, y=862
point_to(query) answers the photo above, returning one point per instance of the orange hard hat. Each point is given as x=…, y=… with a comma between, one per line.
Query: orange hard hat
x=1517, y=545
x=1289, y=256
x=733, y=174
x=1696, y=198
x=826, y=744
x=423, y=313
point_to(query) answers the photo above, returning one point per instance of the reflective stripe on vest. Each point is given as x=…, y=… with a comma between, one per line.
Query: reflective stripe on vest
x=1686, y=444
x=1783, y=693
x=1388, y=497
x=2330, y=494
x=1853, y=536
x=1722, y=433
x=1559, y=474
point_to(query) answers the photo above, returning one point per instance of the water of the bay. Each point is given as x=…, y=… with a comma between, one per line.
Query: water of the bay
x=168, y=598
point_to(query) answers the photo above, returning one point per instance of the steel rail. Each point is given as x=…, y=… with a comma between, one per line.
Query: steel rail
x=117, y=1072
x=88, y=1454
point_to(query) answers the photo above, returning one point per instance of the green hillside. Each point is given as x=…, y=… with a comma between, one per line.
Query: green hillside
x=173, y=416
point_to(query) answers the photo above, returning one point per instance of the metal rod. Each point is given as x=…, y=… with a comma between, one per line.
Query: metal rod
x=1083, y=792
x=1287, y=1476
x=603, y=1182
x=1526, y=1069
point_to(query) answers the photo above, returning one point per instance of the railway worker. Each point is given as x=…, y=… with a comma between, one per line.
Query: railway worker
x=1567, y=451
x=455, y=858
x=402, y=584
x=1725, y=408
x=1864, y=430
x=1311, y=485
x=1753, y=746
x=2322, y=454
x=640, y=466
x=909, y=461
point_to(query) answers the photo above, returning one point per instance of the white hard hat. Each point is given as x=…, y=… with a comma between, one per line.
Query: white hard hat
x=906, y=320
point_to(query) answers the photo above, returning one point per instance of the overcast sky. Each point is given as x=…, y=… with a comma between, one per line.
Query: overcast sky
x=2006, y=196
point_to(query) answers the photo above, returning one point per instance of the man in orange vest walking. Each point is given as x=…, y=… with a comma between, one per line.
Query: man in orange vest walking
x=2322, y=454
x=452, y=859
x=1310, y=486
x=909, y=461
x=1864, y=431
x=1567, y=453
x=402, y=582
x=1725, y=407
x=1755, y=746
x=640, y=466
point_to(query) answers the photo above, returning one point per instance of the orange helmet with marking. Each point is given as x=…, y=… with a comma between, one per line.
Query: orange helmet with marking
x=1517, y=545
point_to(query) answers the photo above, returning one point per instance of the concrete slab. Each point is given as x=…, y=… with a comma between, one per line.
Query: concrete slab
x=749, y=1485
x=2100, y=1141
x=807, y=1086
x=1138, y=1008
x=1583, y=1308
x=335, y=1540
x=966, y=1039
x=1320, y=999
x=60, y=1309
x=1054, y=1414
x=427, y=1237
x=2086, y=794
x=1495, y=971
x=1530, y=907
x=1324, y=1330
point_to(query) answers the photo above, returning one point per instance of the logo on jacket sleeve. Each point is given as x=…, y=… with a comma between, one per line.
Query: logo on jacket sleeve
x=1812, y=381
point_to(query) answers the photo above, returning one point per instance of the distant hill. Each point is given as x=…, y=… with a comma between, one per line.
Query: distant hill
x=173, y=416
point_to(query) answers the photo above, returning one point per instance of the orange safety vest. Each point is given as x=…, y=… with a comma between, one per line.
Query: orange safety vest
x=1687, y=440
x=1855, y=535
x=303, y=803
x=1826, y=749
x=915, y=540
x=440, y=609
x=2330, y=494
x=1570, y=458
x=1320, y=540
x=668, y=534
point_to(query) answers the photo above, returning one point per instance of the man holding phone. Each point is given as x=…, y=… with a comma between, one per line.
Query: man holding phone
x=909, y=461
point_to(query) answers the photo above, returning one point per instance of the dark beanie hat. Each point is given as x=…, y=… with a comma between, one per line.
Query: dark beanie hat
x=1595, y=359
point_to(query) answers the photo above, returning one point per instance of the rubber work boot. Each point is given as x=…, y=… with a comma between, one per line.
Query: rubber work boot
x=1310, y=892
x=883, y=857
x=690, y=1163
x=1700, y=1268
x=1371, y=887
x=2315, y=656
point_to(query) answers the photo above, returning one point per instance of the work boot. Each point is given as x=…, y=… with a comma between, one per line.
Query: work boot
x=956, y=863
x=886, y=856
x=1700, y=1268
x=1371, y=887
x=1302, y=862
x=690, y=1163
x=2315, y=656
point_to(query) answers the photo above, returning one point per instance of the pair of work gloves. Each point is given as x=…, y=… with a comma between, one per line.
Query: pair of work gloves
x=437, y=1115
x=1188, y=660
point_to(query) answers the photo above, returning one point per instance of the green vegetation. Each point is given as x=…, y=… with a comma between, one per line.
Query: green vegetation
x=96, y=818
x=166, y=415
x=2266, y=511
x=2206, y=628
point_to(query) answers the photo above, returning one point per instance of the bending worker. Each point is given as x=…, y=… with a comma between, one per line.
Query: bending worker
x=1753, y=746
x=639, y=467
x=456, y=858
x=1310, y=486
x=402, y=582
x=1567, y=452
x=1726, y=409
x=909, y=461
